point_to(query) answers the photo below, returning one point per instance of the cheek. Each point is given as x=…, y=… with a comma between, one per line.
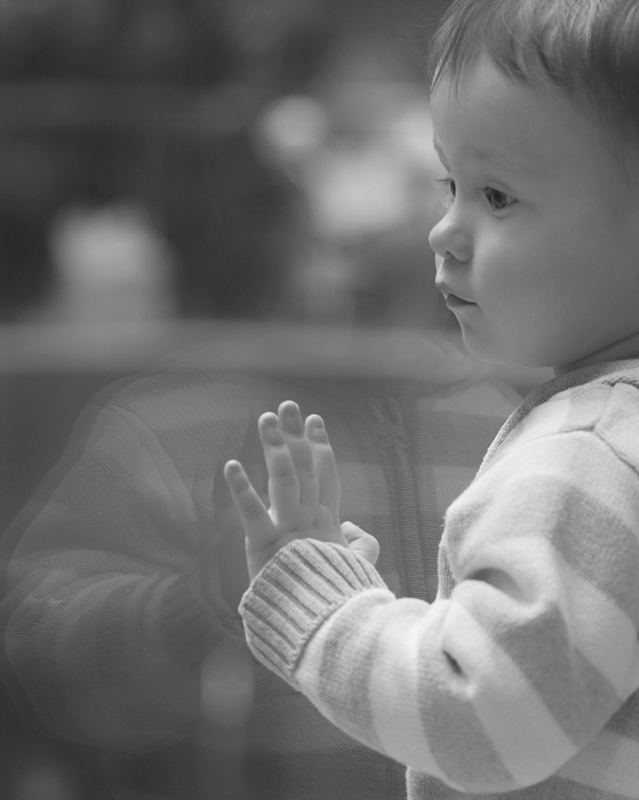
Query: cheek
x=523, y=265
x=503, y=270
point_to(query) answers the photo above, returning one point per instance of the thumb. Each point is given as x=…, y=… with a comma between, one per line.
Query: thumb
x=361, y=542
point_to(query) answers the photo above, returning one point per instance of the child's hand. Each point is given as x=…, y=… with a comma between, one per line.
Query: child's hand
x=304, y=490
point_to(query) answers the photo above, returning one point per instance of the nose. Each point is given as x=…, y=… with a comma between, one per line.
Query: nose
x=451, y=237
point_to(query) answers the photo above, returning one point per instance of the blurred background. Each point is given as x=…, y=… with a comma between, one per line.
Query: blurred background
x=177, y=170
x=228, y=170
x=173, y=170
x=214, y=158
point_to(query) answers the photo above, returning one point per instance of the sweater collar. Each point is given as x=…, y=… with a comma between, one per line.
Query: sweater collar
x=609, y=372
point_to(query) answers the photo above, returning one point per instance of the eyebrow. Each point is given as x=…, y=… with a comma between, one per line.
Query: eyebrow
x=485, y=154
x=480, y=152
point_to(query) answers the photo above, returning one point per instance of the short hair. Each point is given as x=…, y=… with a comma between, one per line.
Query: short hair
x=589, y=48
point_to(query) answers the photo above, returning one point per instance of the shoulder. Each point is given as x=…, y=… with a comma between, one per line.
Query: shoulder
x=567, y=473
x=606, y=407
x=576, y=448
x=179, y=397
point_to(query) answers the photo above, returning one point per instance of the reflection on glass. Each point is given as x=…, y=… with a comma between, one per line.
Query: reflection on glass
x=214, y=207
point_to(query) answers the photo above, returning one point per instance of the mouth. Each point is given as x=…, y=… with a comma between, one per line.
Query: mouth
x=452, y=301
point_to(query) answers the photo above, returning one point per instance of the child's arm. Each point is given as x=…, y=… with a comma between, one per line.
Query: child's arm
x=520, y=663
x=114, y=555
x=304, y=490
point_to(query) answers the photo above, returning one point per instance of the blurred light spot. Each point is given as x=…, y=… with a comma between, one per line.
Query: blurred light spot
x=357, y=190
x=112, y=265
x=294, y=126
x=412, y=131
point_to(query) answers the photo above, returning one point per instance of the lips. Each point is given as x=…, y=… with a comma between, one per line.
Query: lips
x=453, y=301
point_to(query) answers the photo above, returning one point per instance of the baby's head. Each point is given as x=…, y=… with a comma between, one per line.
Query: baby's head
x=536, y=113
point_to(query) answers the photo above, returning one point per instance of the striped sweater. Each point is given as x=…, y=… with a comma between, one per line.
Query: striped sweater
x=522, y=676
x=123, y=574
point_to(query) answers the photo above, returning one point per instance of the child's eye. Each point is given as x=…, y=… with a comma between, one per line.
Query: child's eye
x=451, y=190
x=498, y=200
x=448, y=183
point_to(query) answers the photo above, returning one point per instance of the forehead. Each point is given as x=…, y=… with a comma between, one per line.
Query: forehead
x=492, y=119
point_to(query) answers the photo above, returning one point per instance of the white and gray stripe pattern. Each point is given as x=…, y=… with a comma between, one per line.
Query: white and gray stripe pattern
x=521, y=677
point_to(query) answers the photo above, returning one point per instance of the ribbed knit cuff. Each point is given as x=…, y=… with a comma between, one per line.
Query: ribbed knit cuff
x=294, y=594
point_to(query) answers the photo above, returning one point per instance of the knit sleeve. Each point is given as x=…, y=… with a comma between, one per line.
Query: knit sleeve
x=109, y=609
x=522, y=659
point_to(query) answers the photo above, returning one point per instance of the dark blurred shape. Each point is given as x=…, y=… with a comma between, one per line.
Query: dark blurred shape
x=186, y=42
x=46, y=779
x=153, y=101
x=109, y=101
x=233, y=221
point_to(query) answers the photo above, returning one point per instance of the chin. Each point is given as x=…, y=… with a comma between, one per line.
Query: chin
x=483, y=351
x=490, y=352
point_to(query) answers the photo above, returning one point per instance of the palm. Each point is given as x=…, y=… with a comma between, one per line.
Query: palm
x=304, y=490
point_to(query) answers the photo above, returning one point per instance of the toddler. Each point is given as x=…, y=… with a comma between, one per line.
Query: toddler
x=522, y=676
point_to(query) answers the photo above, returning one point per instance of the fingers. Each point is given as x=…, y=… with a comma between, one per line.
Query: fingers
x=283, y=486
x=301, y=464
x=262, y=539
x=325, y=464
x=361, y=542
x=301, y=451
x=255, y=518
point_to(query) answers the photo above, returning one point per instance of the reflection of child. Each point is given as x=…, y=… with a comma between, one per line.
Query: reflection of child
x=522, y=676
x=123, y=574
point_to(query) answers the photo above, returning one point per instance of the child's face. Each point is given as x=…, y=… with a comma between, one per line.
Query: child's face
x=542, y=236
